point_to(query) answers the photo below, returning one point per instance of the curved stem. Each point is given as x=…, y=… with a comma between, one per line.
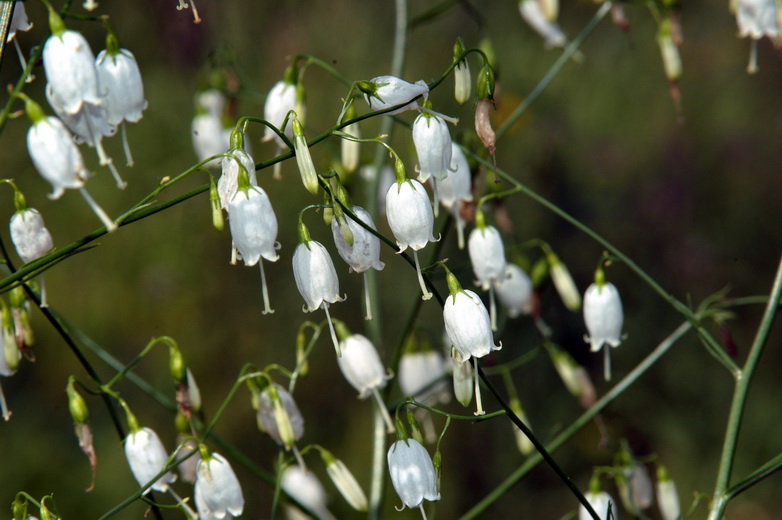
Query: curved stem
x=721, y=495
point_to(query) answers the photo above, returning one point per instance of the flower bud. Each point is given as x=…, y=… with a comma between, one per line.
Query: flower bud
x=672, y=62
x=345, y=482
x=76, y=405
x=563, y=282
x=523, y=443
x=176, y=363
x=279, y=416
x=309, y=176
x=484, y=87
x=461, y=75
x=667, y=495
x=214, y=201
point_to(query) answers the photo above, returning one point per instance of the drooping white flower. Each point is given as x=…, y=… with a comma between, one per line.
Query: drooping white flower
x=253, y=225
x=462, y=82
x=220, y=491
x=487, y=254
x=410, y=217
x=432, y=142
x=515, y=291
x=385, y=92
x=361, y=365
x=147, y=457
x=409, y=214
x=29, y=234
x=228, y=182
x=412, y=473
x=549, y=30
x=269, y=416
x=55, y=155
x=467, y=325
x=600, y=502
x=468, y=328
x=455, y=189
x=635, y=488
x=364, y=254
x=603, y=315
x=309, y=177
x=305, y=487
x=667, y=496
x=280, y=100
x=757, y=18
x=120, y=78
x=316, y=277
x=70, y=68
x=19, y=22
x=210, y=136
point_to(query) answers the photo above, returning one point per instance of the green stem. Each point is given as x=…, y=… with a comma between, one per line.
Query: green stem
x=756, y=476
x=712, y=345
x=743, y=380
x=579, y=423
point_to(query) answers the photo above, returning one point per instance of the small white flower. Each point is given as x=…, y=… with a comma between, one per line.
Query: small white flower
x=412, y=473
x=120, y=78
x=70, y=70
x=549, y=30
x=668, y=499
x=635, y=488
x=385, y=92
x=315, y=275
x=216, y=482
x=253, y=225
x=563, y=283
x=515, y=291
x=603, y=315
x=467, y=325
x=462, y=82
x=29, y=234
x=600, y=502
x=147, y=457
x=280, y=100
x=365, y=251
x=19, y=22
x=757, y=18
x=56, y=156
x=409, y=214
x=361, y=365
x=432, y=142
x=268, y=419
x=487, y=255
x=305, y=487
x=209, y=136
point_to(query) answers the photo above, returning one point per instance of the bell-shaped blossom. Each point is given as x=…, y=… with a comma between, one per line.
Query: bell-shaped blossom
x=19, y=21
x=147, y=457
x=253, y=225
x=120, y=77
x=467, y=325
x=70, y=68
x=315, y=275
x=412, y=473
x=56, y=156
x=409, y=214
x=603, y=315
x=361, y=365
x=385, y=92
x=410, y=217
x=602, y=503
x=487, y=255
x=635, y=488
x=462, y=82
x=456, y=189
x=432, y=142
x=218, y=487
x=280, y=100
x=305, y=487
x=535, y=16
x=210, y=136
x=268, y=416
x=514, y=290
x=364, y=254
x=421, y=375
x=29, y=234
x=667, y=496
x=757, y=18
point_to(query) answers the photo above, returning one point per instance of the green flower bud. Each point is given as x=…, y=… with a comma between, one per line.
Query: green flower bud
x=176, y=364
x=345, y=482
x=309, y=176
x=76, y=404
x=214, y=199
x=484, y=87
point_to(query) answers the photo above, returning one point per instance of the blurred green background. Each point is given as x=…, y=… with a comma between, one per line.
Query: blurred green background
x=694, y=200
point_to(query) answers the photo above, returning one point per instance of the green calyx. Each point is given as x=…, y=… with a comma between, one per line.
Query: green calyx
x=454, y=286
x=303, y=232
x=342, y=330
x=291, y=74
x=56, y=25
x=176, y=364
x=32, y=109
x=458, y=48
x=112, y=44
x=368, y=87
x=485, y=85
x=401, y=433
x=236, y=141
x=243, y=177
x=600, y=276
x=400, y=172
